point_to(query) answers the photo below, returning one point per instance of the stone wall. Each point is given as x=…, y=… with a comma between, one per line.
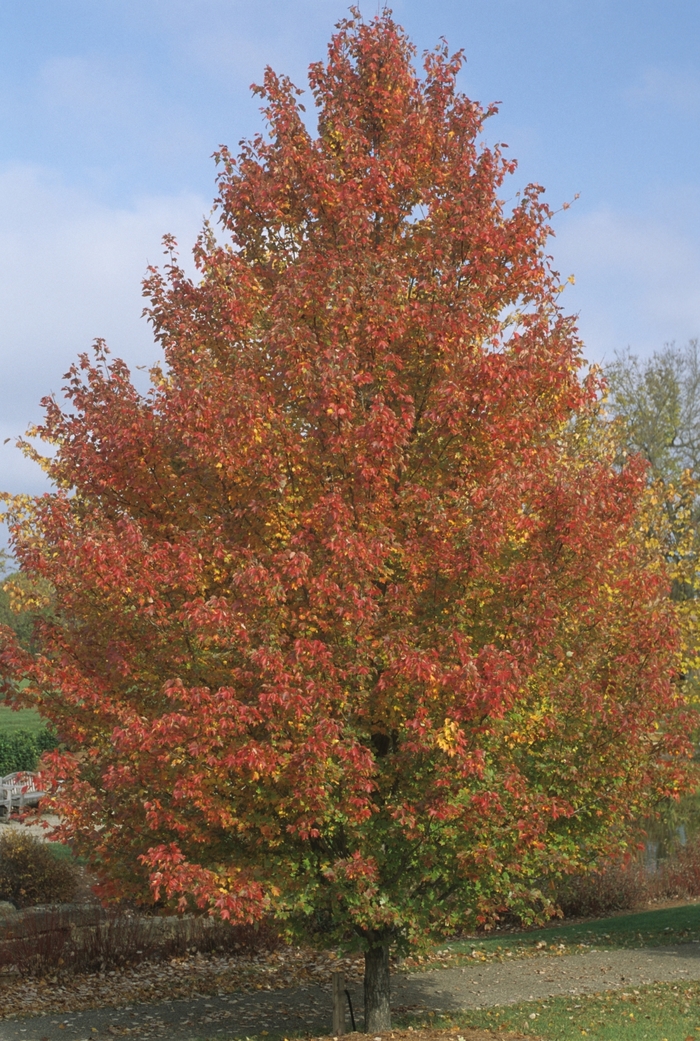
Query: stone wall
x=50, y=928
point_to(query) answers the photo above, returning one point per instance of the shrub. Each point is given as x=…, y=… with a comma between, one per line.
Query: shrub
x=621, y=887
x=18, y=751
x=30, y=874
x=613, y=887
x=679, y=877
x=45, y=740
x=22, y=749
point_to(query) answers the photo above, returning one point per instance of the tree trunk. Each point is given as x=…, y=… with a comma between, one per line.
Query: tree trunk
x=377, y=1007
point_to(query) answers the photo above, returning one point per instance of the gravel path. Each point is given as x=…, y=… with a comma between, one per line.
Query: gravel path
x=308, y=1008
x=506, y=983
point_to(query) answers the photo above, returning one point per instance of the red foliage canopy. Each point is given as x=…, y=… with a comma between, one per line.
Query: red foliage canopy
x=351, y=623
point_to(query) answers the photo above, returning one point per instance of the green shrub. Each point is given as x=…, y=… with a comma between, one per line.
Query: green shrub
x=18, y=751
x=22, y=749
x=45, y=740
x=30, y=874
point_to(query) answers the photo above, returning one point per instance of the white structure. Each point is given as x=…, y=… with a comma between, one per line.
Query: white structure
x=19, y=790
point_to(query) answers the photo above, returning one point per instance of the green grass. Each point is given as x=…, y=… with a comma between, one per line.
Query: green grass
x=61, y=852
x=642, y=929
x=660, y=1012
x=22, y=719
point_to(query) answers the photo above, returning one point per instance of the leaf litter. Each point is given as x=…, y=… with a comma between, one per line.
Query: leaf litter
x=200, y=975
x=190, y=976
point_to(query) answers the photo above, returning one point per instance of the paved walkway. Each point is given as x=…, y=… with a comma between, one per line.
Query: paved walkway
x=36, y=828
x=308, y=1008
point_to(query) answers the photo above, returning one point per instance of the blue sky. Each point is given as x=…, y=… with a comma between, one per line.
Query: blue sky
x=110, y=110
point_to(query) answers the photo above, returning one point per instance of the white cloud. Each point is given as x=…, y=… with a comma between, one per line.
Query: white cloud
x=70, y=271
x=637, y=281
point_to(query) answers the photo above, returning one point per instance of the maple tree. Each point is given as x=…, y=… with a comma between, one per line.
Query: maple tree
x=351, y=620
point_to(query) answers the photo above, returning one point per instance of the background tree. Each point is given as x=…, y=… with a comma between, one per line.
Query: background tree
x=353, y=618
x=659, y=402
x=656, y=403
x=18, y=606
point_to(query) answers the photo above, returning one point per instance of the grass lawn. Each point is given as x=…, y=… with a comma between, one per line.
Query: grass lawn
x=641, y=929
x=23, y=719
x=660, y=1012
x=61, y=852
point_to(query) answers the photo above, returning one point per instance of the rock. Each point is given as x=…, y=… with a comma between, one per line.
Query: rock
x=7, y=908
